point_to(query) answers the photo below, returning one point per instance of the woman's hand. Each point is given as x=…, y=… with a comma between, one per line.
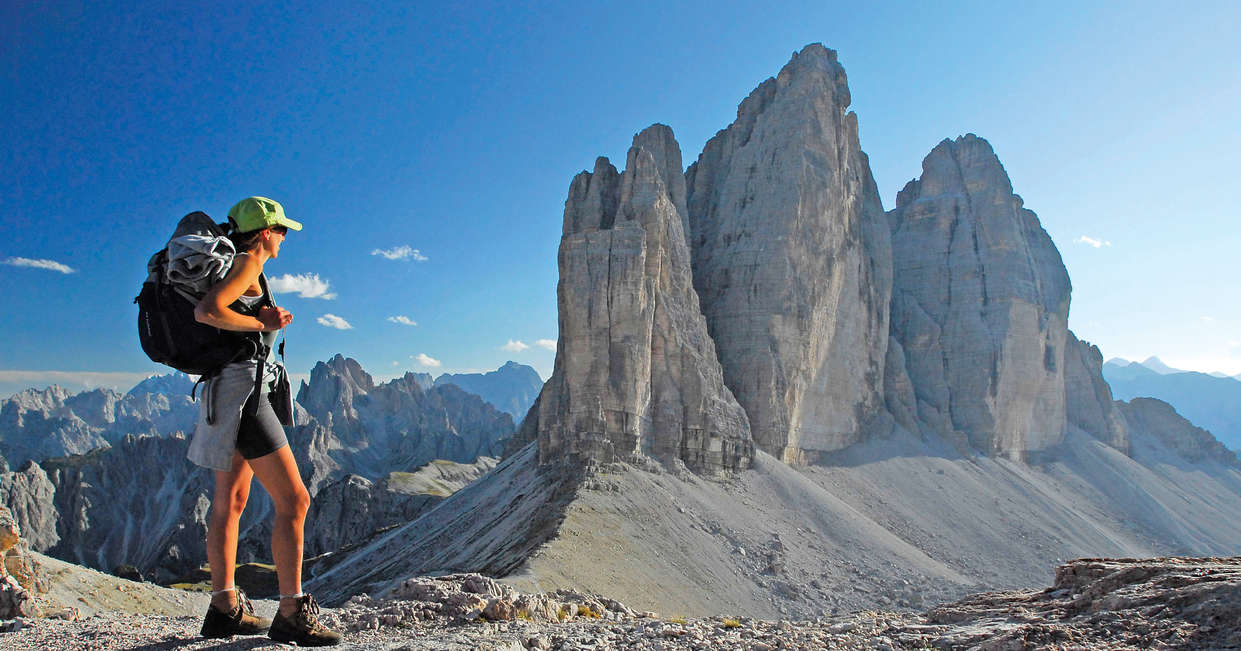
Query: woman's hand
x=274, y=318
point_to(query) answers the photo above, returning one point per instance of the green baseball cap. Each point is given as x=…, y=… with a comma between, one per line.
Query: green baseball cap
x=254, y=213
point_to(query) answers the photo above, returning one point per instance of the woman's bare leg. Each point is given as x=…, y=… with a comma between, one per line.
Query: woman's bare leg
x=278, y=474
x=232, y=489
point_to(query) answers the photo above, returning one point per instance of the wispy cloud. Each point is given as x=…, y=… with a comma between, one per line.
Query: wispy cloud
x=39, y=263
x=515, y=346
x=333, y=321
x=403, y=320
x=1091, y=241
x=549, y=344
x=304, y=285
x=403, y=252
x=427, y=360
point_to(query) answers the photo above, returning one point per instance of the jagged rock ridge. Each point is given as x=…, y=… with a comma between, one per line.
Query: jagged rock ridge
x=39, y=424
x=636, y=373
x=398, y=425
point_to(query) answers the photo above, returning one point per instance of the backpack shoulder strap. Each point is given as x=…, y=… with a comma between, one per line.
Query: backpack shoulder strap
x=267, y=297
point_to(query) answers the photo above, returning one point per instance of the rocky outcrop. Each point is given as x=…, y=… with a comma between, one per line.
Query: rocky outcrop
x=21, y=577
x=792, y=260
x=512, y=388
x=1155, y=603
x=1087, y=396
x=636, y=373
x=980, y=304
x=1157, y=418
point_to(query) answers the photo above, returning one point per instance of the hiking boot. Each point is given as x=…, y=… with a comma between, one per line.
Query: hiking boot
x=303, y=627
x=241, y=621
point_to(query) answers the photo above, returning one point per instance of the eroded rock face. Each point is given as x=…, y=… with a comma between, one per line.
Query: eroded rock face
x=636, y=373
x=792, y=260
x=980, y=304
x=1087, y=396
x=30, y=497
x=352, y=508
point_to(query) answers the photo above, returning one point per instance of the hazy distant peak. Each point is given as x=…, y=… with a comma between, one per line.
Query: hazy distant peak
x=511, y=388
x=1155, y=364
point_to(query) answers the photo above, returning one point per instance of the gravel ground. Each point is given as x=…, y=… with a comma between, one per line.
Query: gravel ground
x=150, y=633
x=1161, y=603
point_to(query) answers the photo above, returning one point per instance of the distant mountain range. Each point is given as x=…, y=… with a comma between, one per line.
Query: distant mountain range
x=37, y=424
x=1209, y=401
x=372, y=455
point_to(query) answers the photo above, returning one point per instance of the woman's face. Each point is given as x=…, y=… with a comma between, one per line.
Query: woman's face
x=275, y=237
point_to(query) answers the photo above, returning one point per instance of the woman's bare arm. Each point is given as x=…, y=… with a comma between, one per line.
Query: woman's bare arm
x=214, y=308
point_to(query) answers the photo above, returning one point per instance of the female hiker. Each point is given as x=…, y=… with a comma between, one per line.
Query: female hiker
x=240, y=436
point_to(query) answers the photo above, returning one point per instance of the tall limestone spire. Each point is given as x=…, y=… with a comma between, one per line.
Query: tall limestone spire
x=636, y=374
x=792, y=260
x=980, y=304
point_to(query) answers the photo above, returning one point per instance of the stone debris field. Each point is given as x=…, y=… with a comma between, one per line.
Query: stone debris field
x=1166, y=603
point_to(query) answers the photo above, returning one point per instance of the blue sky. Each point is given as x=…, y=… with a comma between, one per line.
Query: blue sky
x=454, y=131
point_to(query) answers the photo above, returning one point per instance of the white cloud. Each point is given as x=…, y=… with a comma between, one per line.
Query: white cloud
x=515, y=346
x=403, y=320
x=304, y=285
x=1090, y=241
x=426, y=360
x=40, y=263
x=333, y=321
x=403, y=252
x=549, y=344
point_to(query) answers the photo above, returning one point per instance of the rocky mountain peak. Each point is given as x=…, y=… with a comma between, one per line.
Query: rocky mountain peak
x=38, y=400
x=980, y=304
x=334, y=385
x=636, y=374
x=965, y=162
x=171, y=384
x=792, y=260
